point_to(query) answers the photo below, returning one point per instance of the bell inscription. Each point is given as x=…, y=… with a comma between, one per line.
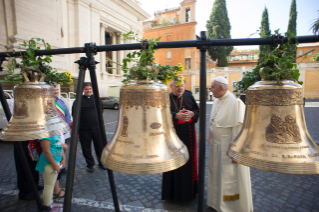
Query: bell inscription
x=275, y=97
x=125, y=125
x=156, y=125
x=283, y=132
x=145, y=98
x=20, y=108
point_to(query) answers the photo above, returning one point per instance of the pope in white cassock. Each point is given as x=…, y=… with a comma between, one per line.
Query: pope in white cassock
x=228, y=185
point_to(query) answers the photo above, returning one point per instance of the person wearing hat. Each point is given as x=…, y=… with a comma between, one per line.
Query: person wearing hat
x=180, y=185
x=228, y=184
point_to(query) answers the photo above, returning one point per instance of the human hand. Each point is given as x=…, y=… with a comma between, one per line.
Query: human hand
x=57, y=168
x=183, y=116
x=63, y=163
x=190, y=113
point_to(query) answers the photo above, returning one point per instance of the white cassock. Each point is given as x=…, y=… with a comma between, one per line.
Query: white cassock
x=228, y=185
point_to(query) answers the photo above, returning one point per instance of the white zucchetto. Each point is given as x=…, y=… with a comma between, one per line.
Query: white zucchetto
x=221, y=80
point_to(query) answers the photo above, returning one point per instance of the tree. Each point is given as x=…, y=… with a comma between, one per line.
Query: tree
x=292, y=25
x=315, y=26
x=218, y=27
x=264, y=32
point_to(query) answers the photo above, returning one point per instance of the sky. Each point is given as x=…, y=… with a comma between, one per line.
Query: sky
x=245, y=15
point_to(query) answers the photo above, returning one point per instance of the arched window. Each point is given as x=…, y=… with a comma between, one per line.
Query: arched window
x=188, y=14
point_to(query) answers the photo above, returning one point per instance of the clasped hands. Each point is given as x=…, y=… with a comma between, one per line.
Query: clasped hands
x=184, y=116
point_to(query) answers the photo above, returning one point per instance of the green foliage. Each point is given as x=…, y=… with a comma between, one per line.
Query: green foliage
x=143, y=60
x=292, y=25
x=315, y=26
x=278, y=64
x=218, y=27
x=40, y=63
x=248, y=79
x=264, y=32
x=315, y=58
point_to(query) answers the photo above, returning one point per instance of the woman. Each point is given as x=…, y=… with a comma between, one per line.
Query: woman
x=49, y=165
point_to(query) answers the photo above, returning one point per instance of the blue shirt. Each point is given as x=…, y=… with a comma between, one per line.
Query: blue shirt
x=56, y=150
x=67, y=118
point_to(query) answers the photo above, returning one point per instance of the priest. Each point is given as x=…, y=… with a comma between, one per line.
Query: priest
x=228, y=184
x=180, y=185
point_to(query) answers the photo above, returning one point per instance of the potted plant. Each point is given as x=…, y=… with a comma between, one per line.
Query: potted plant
x=144, y=67
x=31, y=62
x=277, y=65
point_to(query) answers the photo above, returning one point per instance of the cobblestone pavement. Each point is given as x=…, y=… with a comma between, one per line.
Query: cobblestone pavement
x=271, y=191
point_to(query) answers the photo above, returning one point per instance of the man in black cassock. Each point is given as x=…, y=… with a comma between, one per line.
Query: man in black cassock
x=180, y=185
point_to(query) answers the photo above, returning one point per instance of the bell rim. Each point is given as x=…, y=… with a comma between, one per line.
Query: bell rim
x=34, y=136
x=152, y=168
x=305, y=168
x=273, y=85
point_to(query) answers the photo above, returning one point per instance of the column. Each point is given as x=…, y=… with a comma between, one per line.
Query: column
x=119, y=53
x=114, y=53
x=102, y=54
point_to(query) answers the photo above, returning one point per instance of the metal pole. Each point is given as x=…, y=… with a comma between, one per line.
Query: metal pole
x=92, y=63
x=202, y=125
x=22, y=155
x=75, y=129
x=168, y=44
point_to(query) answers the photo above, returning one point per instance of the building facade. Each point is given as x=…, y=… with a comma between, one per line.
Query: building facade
x=246, y=60
x=242, y=57
x=72, y=23
x=178, y=24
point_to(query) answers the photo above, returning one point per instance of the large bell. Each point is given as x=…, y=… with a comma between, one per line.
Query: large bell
x=274, y=136
x=145, y=141
x=34, y=113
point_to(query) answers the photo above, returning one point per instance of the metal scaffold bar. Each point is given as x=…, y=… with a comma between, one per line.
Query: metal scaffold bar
x=168, y=44
x=74, y=135
x=202, y=126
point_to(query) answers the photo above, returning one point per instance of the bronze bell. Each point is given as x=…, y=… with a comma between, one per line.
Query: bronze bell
x=34, y=113
x=274, y=136
x=145, y=141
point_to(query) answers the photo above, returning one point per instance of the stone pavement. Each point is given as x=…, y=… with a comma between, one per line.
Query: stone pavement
x=91, y=192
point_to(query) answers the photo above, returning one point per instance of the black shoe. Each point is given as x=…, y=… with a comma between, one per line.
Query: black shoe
x=45, y=208
x=27, y=197
x=89, y=169
x=40, y=187
x=102, y=167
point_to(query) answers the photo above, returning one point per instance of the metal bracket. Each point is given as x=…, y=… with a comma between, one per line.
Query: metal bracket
x=202, y=47
x=144, y=44
x=82, y=61
x=278, y=40
x=90, y=48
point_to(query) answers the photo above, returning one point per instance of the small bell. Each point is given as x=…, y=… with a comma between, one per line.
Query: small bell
x=145, y=141
x=34, y=113
x=274, y=136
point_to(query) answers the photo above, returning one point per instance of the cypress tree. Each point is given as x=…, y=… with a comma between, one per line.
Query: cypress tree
x=218, y=27
x=264, y=32
x=292, y=25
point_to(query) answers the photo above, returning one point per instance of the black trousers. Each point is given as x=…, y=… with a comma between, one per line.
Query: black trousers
x=22, y=180
x=86, y=136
